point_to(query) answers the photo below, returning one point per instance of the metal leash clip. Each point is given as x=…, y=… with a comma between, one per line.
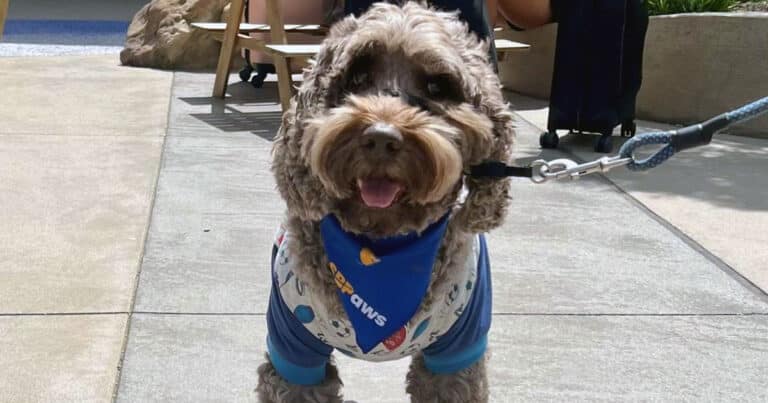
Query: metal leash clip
x=541, y=171
x=544, y=171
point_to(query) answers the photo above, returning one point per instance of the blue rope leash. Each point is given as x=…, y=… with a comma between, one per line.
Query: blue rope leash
x=674, y=141
x=689, y=137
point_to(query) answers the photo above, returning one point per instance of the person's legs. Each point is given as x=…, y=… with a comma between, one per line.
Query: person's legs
x=473, y=12
x=357, y=7
x=527, y=14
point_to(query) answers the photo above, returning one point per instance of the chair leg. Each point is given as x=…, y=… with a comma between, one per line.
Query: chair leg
x=228, y=46
x=277, y=34
x=284, y=81
x=3, y=15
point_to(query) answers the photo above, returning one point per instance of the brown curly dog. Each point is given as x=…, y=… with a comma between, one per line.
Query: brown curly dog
x=399, y=104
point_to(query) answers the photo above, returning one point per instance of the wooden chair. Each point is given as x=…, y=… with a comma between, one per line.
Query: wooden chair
x=3, y=15
x=234, y=34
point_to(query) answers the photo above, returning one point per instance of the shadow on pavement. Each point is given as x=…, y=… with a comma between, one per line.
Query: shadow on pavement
x=730, y=172
x=244, y=109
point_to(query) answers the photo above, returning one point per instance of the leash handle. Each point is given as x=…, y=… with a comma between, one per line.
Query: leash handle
x=748, y=111
x=685, y=138
x=674, y=141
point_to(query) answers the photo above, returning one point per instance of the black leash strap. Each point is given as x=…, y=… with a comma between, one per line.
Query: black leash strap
x=498, y=169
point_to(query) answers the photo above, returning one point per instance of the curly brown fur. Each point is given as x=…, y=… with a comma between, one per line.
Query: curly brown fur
x=376, y=70
x=467, y=386
x=383, y=46
x=273, y=389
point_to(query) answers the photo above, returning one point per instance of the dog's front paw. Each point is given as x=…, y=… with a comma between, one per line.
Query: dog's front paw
x=272, y=388
x=469, y=385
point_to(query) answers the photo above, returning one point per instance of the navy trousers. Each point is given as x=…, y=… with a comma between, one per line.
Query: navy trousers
x=473, y=12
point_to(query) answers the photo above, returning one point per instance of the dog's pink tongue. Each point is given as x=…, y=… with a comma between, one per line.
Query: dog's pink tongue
x=380, y=193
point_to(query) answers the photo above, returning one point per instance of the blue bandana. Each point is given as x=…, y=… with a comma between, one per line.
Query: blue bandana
x=381, y=282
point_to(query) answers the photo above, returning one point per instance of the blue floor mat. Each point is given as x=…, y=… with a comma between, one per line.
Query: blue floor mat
x=66, y=32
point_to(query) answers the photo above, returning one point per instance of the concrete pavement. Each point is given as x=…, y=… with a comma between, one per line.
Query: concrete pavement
x=716, y=195
x=596, y=298
x=78, y=166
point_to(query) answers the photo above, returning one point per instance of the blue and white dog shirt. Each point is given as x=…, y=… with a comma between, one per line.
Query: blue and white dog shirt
x=381, y=285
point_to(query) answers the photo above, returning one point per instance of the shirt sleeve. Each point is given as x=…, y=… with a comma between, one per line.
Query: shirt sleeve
x=466, y=341
x=297, y=355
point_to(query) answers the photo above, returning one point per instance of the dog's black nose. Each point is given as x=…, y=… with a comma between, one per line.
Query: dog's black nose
x=381, y=139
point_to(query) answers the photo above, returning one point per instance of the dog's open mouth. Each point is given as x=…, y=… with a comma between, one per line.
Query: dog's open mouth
x=379, y=192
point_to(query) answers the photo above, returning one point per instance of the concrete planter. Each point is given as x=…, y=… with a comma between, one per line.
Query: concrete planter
x=695, y=66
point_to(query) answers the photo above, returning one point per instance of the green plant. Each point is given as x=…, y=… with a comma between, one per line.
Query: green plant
x=657, y=7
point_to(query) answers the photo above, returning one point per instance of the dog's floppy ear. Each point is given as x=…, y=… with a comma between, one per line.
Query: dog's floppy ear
x=328, y=65
x=302, y=191
x=488, y=198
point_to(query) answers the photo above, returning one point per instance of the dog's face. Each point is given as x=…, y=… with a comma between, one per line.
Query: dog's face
x=400, y=103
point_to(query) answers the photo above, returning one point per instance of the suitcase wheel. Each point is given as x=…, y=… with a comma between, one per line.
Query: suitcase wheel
x=245, y=73
x=549, y=140
x=262, y=71
x=258, y=80
x=628, y=129
x=604, y=144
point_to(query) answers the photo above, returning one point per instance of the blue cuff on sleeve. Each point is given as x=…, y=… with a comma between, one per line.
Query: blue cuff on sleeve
x=465, y=343
x=294, y=373
x=450, y=364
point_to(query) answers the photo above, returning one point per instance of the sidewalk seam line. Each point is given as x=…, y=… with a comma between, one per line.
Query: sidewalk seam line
x=38, y=134
x=692, y=243
x=494, y=314
x=140, y=263
x=63, y=313
x=677, y=232
x=563, y=314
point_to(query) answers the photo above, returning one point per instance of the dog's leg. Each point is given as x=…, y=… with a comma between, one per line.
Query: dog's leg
x=273, y=388
x=466, y=386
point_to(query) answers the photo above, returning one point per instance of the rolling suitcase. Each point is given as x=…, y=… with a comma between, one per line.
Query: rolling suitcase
x=598, y=68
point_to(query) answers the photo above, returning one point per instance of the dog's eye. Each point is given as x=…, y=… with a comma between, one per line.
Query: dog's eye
x=359, y=75
x=443, y=87
x=359, y=79
x=433, y=88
